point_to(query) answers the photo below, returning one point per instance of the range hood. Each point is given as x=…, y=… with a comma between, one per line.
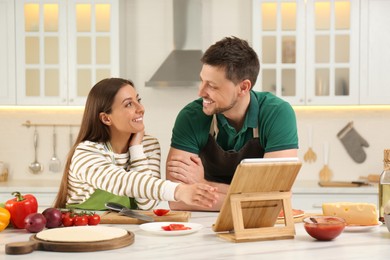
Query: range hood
x=182, y=66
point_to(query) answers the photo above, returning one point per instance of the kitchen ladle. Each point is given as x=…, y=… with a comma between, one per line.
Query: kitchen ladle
x=55, y=164
x=70, y=138
x=35, y=167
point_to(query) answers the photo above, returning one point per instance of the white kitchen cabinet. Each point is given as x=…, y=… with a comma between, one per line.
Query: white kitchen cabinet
x=45, y=199
x=7, y=52
x=64, y=48
x=309, y=50
x=307, y=195
x=45, y=191
x=314, y=201
x=375, y=52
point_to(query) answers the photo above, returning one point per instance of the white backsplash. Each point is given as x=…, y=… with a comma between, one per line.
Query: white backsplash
x=17, y=150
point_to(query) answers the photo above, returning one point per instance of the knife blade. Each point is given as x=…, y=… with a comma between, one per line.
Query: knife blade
x=128, y=212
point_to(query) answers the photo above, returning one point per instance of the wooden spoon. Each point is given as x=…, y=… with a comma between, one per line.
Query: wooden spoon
x=310, y=156
x=326, y=173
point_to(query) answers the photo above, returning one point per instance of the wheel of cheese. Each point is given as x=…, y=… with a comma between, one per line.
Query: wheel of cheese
x=81, y=234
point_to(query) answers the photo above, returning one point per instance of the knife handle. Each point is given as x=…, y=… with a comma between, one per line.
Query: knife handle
x=114, y=206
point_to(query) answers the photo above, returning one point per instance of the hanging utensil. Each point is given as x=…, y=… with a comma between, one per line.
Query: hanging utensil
x=310, y=156
x=35, y=167
x=70, y=137
x=55, y=164
x=326, y=173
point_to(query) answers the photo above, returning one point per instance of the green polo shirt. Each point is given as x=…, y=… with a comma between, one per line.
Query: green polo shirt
x=273, y=116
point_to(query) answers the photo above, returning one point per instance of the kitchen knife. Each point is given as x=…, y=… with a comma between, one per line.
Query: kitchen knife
x=128, y=212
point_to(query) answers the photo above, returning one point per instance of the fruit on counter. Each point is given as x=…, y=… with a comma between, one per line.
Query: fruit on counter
x=161, y=212
x=4, y=218
x=35, y=222
x=53, y=217
x=68, y=219
x=354, y=213
x=81, y=218
x=21, y=206
x=93, y=219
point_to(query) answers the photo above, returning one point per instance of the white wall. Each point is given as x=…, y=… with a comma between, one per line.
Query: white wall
x=146, y=41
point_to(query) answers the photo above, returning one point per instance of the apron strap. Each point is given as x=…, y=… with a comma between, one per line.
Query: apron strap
x=214, y=129
x=255, y=132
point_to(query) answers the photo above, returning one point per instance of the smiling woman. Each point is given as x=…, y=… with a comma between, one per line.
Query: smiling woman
x=113, y=160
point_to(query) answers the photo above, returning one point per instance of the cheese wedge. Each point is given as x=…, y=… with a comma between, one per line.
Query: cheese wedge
x=364, y=214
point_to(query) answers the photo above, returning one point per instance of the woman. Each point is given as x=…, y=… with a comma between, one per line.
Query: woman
x=112, y=159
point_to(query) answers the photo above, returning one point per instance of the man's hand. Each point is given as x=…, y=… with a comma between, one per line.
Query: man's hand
x=187, y=170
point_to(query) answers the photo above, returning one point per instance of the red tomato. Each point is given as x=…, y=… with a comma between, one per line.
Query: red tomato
x=93, y=220
x=160, y=212
x=81, y=220
x=68, y=219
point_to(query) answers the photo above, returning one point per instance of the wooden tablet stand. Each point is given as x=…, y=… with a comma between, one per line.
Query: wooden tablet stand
x=242, y=234
x=260, y=189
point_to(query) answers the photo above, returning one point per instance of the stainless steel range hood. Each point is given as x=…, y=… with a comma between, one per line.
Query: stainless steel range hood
x=182, y=66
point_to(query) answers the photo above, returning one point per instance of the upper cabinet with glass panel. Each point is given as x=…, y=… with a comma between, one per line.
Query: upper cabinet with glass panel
x=64, y=47
x=308, y=50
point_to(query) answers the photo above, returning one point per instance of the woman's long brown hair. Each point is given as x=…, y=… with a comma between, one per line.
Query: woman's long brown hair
x=99, y=99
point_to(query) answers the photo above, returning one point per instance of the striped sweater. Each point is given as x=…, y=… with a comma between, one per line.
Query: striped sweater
x=134, y=174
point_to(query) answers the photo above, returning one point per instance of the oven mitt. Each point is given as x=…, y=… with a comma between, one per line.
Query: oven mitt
x=353, y=143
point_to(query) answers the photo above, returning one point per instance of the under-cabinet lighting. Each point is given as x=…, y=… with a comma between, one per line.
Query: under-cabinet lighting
x=343, y=108
x=42, y=108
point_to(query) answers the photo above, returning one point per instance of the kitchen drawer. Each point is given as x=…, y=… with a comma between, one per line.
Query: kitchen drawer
x=314, y=201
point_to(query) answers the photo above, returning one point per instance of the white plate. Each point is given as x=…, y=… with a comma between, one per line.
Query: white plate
x=155, y=228
x=357, y=228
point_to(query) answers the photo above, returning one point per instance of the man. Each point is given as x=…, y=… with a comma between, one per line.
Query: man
x=228, y=122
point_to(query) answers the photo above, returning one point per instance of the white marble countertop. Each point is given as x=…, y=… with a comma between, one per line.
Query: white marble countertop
x=205, y=244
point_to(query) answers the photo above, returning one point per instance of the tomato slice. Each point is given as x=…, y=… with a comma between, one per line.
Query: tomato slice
x=161, y=212
x=166, y=228
x=175, y=227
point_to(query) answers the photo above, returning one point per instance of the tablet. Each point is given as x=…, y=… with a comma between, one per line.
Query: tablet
x=256, y=176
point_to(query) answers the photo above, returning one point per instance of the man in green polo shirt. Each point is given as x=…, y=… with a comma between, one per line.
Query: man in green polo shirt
x=229, y=122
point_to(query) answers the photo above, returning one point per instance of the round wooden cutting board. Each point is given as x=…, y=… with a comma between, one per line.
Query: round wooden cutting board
x=69, y=239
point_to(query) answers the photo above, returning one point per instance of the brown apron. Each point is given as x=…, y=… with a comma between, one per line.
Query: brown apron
x=220, y=165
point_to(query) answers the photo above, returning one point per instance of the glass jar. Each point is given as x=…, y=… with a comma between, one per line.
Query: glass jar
x=384, y=185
